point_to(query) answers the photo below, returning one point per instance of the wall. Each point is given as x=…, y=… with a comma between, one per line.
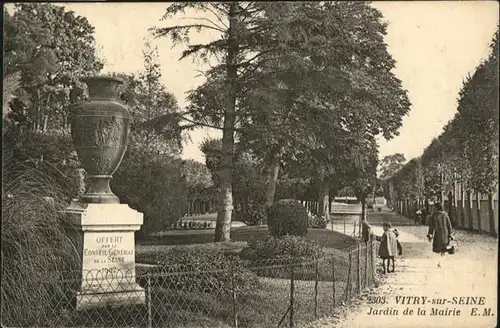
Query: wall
x=471, y=212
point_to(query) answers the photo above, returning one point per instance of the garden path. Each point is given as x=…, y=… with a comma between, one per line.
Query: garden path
x=470, y=272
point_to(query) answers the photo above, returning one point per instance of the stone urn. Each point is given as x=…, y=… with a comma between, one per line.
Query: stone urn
x=100, y=129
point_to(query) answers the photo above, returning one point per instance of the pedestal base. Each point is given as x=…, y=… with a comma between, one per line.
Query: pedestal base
x=104, y=238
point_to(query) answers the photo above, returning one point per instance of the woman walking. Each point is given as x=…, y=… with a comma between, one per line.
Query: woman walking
x=440, y=231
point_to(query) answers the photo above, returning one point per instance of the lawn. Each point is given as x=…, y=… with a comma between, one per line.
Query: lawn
x=264, y=306
x=327, y=238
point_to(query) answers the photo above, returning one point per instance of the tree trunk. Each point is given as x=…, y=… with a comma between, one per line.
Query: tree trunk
x=462, y=207
x=363, y=208
x=330, y=200
x=469, y=210
x=478, y=211
x=491, y=214
x=324, y=199
x=223, y=226
x=272, y=177
x=451, y=213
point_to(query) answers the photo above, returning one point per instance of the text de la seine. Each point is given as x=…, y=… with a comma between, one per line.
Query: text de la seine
x=108, y=252
x=426, y=306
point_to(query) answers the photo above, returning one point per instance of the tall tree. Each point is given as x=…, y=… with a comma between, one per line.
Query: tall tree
x=346, y=98
x=239, y=26
x=328, y=76
x=51, y=48
x=155, y=126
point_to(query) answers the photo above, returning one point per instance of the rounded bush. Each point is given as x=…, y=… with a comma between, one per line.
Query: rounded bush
x=202, y=269
x=269, y=248
x=287, y=217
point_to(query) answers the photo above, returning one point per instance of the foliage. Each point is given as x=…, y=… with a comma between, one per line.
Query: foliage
x=211, y=148
x=249, y=190
x=197, y=174
x=390, y=164
x=248, y=185
x=234, y=42
x=287, y=217
x=151, y=178
x=152, y=184
x=198, y=179
x=294, y=81
x=292, y=188
x=51, y=153
x=317, y=221
x=11, y=84
x=467, y=149
x=153, y=109
x=318, y=112
x=51, y=48
x=35, y=248
x=205, y=269
x=281, y=248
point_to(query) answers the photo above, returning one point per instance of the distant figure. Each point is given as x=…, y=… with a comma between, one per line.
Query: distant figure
x=440, y=231
x=388, y=249
x=400, y=248
x=418, y=217
x=425, y=213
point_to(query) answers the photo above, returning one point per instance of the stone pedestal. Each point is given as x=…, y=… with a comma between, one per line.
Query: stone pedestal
x=104, y=237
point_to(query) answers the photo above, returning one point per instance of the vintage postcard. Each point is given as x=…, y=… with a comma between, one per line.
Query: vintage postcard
x=250, y=164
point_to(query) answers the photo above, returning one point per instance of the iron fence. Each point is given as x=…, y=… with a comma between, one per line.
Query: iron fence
x=286, y=292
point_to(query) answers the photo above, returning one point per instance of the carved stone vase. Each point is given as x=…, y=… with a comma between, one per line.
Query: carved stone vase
x=100, y=129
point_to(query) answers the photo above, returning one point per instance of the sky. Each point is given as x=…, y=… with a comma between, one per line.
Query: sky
x=435, y=45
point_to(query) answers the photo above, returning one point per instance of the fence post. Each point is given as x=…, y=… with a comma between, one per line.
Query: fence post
x=366, y=264
x=233, y=296
x=348, y=290
x=292, y=290
x=359, y=268
x=333, y=280
x=478, y=211
x=148, y=291
x=469, y=210
x=372, y=257
x=316, y=290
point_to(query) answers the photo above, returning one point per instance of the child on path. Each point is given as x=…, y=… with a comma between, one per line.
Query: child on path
x=388, y=249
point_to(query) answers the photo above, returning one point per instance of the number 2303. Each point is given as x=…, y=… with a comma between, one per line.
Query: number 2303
x=377, y=300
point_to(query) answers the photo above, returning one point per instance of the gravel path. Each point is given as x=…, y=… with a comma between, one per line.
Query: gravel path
x=470, y=272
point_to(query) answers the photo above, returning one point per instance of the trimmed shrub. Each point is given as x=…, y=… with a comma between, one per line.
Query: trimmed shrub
x=287, y=217
x=286, y=247
x=317, y=222
x=200, y=268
